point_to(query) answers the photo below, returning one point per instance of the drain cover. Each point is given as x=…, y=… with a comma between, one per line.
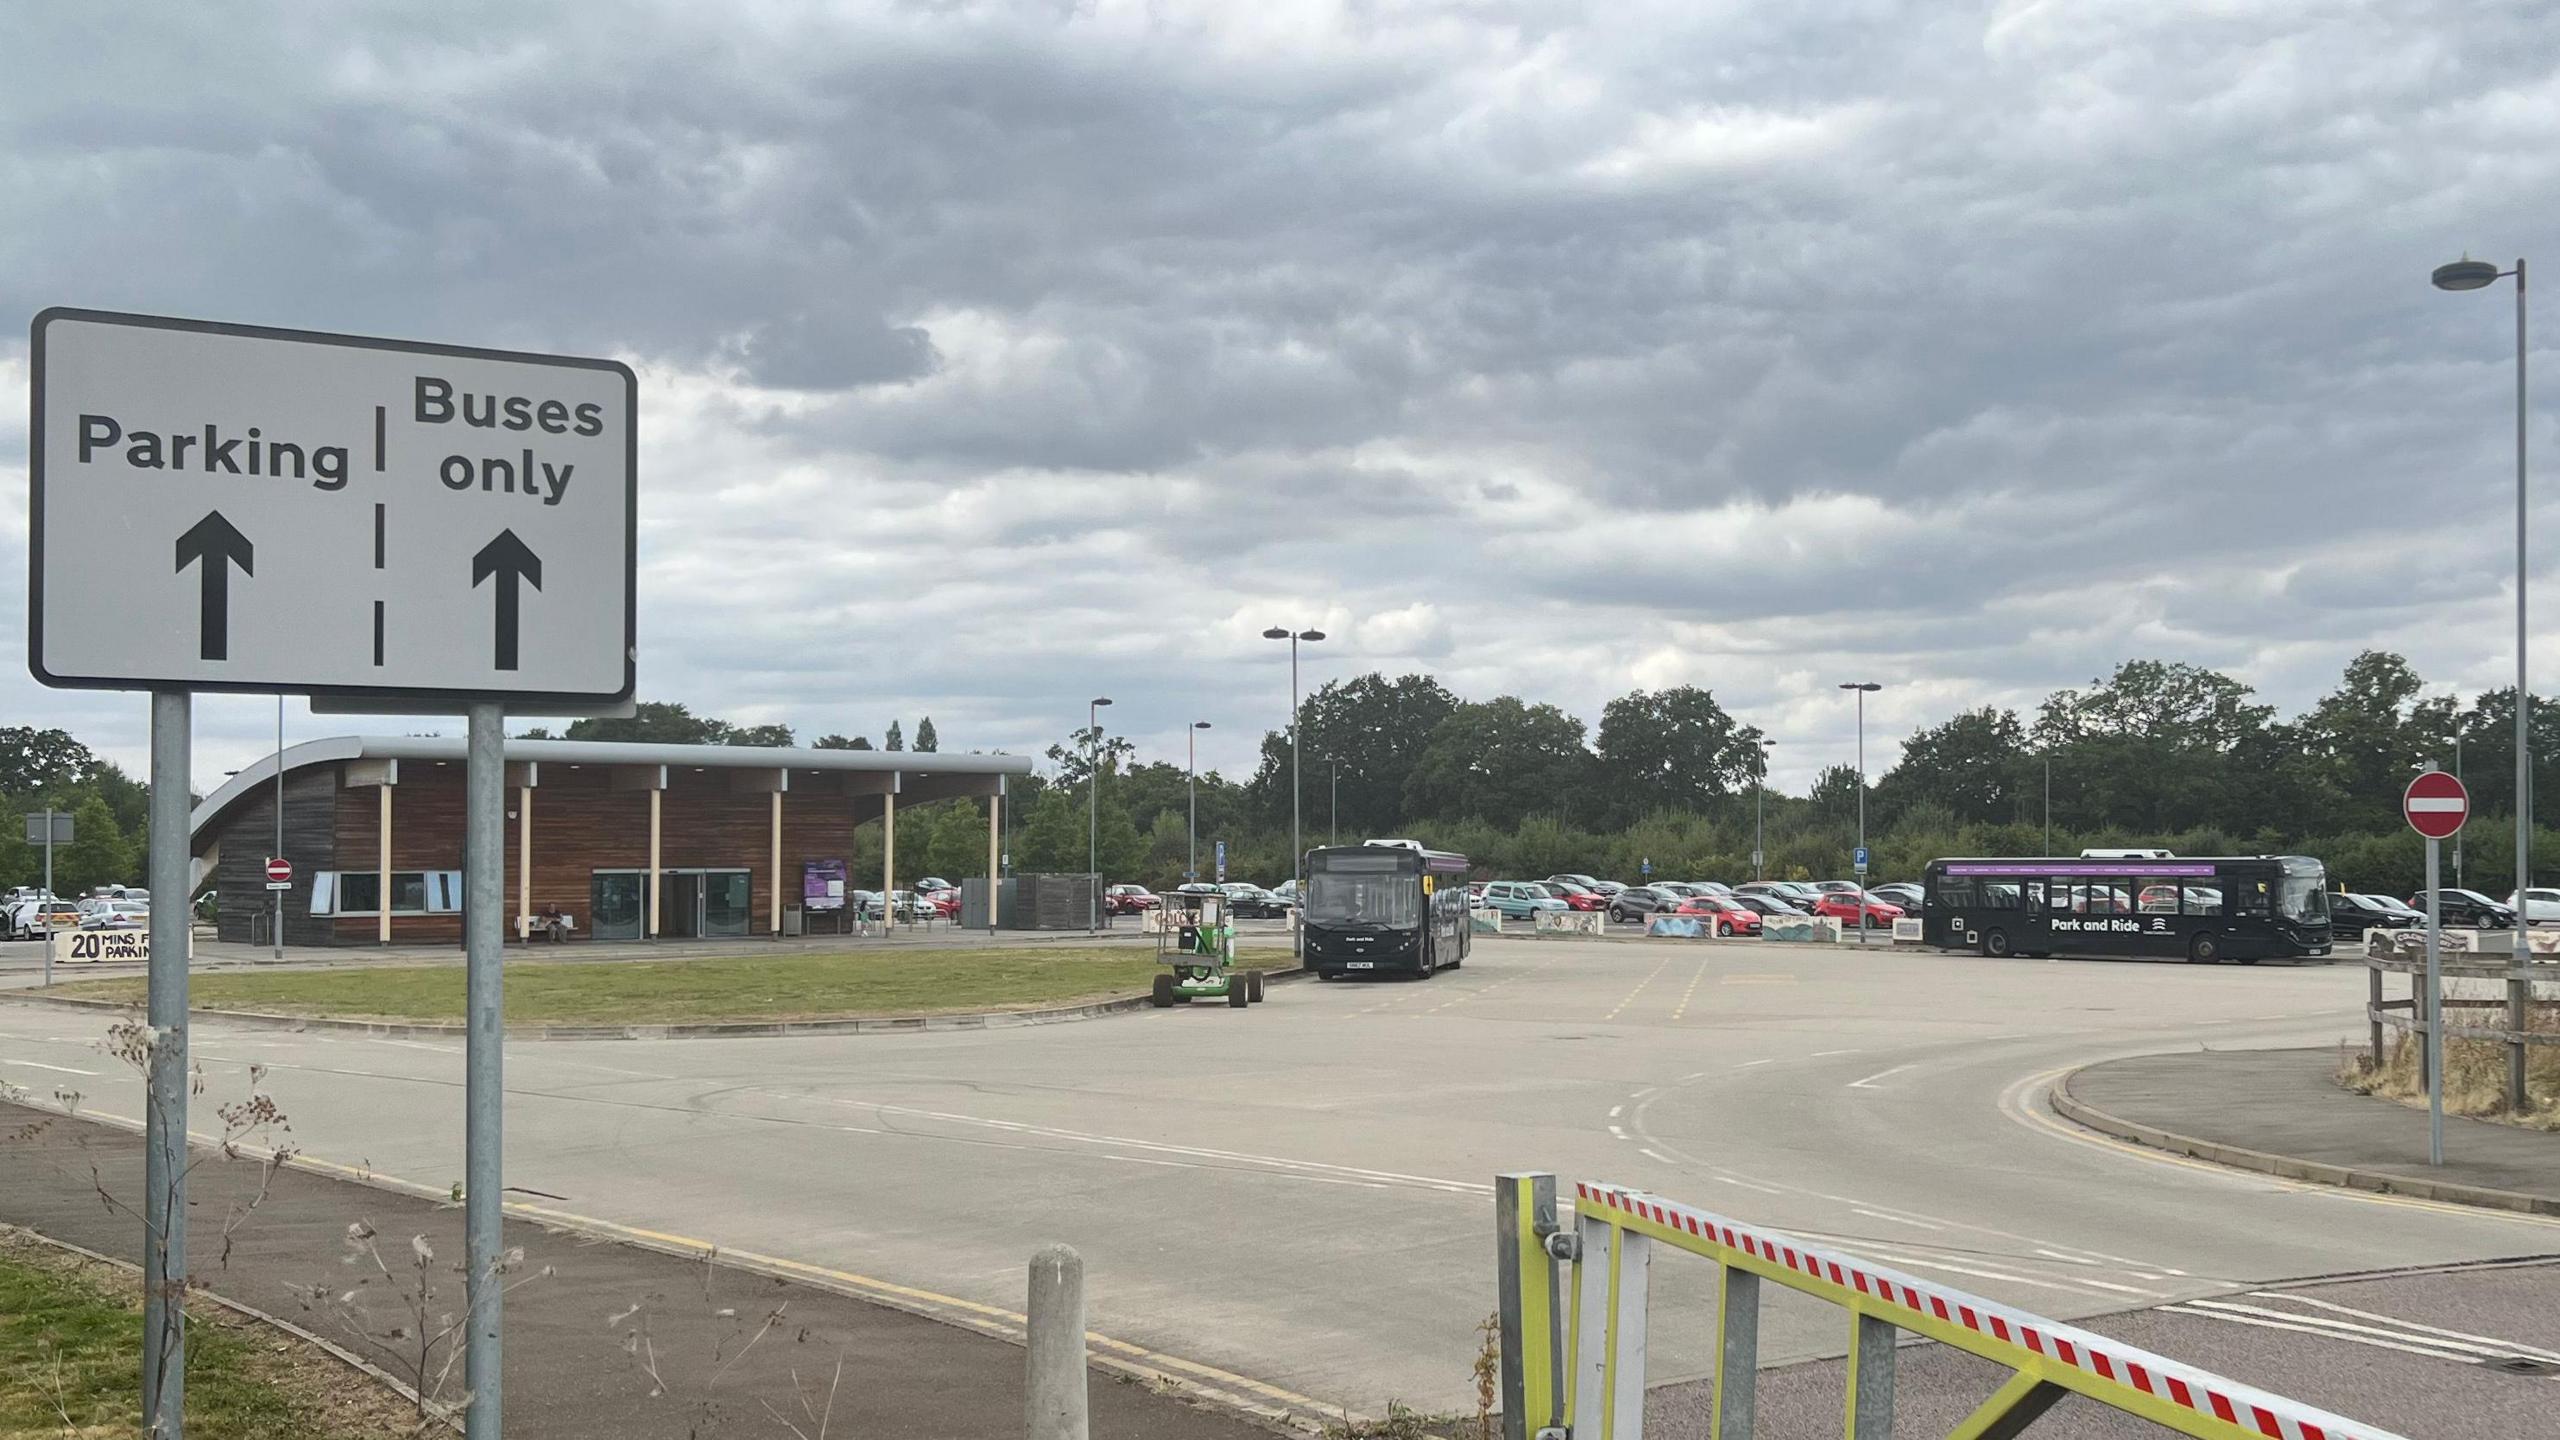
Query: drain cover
x=2524, y=1365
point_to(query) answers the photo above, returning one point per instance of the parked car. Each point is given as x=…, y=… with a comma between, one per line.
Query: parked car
x=1682, y=888
x=1731, y=916
x=1129, y=899
x=1577, y=897
x=1249, y=902
x=1794, y=892
x=30, y=918
x=1838, y=887
x=1287, y=891
x=1583, y=881
x=1475, y=894
x=117, y=915
x=2352, y=915
x=1904, y=893
x=1608, y=887
x=1520, y=899
x=1710, y=887
x=1766, y=906
x=2467, y=910
x=2541, y=906
x=1855, y=910
x=1637, y=902
x=931, y=883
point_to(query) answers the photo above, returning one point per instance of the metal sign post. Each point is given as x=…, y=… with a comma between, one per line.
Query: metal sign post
x=1858, y=862
x=46, y=828
x=2435, y=804
x=375, y=523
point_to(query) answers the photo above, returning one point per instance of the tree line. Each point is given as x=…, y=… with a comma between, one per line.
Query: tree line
x=2156, y=753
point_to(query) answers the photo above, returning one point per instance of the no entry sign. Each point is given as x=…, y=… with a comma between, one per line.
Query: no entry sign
x=2435, y=804
x=280, y=869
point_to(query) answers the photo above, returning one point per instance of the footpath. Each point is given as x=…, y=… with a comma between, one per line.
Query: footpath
x=603, y=1340
x=2279, y=1111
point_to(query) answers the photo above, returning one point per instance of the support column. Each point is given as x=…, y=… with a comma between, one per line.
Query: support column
x=382, y=860
x=654, y=854
x=888, y=860
x=995, y=842
x=524, y=863
x=777, y=864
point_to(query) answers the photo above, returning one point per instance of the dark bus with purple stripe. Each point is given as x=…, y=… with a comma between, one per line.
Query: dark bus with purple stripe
x=1384, y=908
x=2246, y=908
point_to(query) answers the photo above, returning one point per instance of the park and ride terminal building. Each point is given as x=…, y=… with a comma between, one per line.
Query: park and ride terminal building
x=627, y=841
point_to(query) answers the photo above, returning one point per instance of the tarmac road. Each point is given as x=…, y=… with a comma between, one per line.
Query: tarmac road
x=1298, y=1193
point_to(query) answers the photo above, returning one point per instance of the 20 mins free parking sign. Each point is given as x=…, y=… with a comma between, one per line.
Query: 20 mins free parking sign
x=2435, y=804
x=231, y=507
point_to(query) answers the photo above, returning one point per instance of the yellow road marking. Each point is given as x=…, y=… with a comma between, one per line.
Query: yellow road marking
x=1683, y=1007
x=2024, y=1110
x=1632, y=994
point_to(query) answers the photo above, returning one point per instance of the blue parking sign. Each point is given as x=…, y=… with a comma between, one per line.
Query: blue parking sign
x=1222, y=862
x=1858, y=858
x=1647, y=866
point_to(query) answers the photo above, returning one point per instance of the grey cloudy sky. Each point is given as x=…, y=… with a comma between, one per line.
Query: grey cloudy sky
x=998, y=355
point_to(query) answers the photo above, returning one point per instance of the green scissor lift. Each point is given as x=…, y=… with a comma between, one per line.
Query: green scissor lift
x=1199, y=944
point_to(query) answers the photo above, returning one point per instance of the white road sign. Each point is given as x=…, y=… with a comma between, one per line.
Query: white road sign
x=226, y=507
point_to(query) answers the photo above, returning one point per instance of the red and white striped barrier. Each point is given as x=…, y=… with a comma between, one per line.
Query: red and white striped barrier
x=2117, y=1374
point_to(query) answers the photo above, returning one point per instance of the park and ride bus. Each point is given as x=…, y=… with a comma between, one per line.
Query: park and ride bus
x=2205, y=910
x=1390, y=908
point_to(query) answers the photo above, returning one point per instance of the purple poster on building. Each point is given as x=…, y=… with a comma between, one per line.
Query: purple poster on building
x=822, y=885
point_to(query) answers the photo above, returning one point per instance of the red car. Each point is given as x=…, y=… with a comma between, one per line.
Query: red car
x=1877, y=915
x=1732, y=917
x=1129, y=899
x=1577, y=897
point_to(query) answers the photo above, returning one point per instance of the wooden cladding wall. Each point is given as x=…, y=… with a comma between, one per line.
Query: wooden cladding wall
x=310, y=842
x=581, y=824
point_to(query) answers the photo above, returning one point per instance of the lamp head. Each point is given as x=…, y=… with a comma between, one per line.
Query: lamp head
x=1102, y=700
x=1199, y=724
x=1310, y=635
x=2466, y=274
x=1275, y=633
x=1868, y=685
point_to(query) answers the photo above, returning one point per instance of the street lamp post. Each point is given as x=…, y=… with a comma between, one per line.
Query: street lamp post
x=1333, y=823
x=1192, y=738
x=1759, y=787
x=2469, y=274
x=1297, y=853
x=2048, y=802
x=1864, y=688
x=1093, y=809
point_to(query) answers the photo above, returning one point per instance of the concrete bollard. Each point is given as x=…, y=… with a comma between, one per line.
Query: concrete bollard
x=1053, y=1403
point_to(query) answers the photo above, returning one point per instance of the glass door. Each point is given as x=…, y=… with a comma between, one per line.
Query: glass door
x=725, y=907
x=618, y=904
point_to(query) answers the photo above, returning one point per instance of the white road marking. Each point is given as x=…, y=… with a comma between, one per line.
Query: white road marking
x=2065, y=1259
x=1897, y=1219
x=1750, y=1185
x=2496, y=1346
x=1823, y=1054
x=1617, y=1133
x=1870, y=1082
x=1616, y=1110
x=1747, y=1064
x=2305, y=1325
x=40, y=1065
x=1658, y=1155
x=1976, y=1271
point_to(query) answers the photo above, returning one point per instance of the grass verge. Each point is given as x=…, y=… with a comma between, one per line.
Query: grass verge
x=661, y=992
x=71, y=1355
x=2475, y=1074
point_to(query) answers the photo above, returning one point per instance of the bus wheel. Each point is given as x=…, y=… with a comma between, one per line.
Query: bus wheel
x=2204, y=950
x=1163, y=996
x=1238, y=996
x=1995, y=943
x=1253, y=986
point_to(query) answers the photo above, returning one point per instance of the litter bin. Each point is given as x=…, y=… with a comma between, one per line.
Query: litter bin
x=795, y=921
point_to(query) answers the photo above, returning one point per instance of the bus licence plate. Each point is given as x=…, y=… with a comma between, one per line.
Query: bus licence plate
x=1359, y=964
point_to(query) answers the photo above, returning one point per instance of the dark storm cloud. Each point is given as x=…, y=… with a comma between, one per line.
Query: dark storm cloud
x=994, y=351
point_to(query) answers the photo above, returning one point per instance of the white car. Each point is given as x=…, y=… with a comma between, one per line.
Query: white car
x=117, y=915
x=29, y=918
x=2541, y=906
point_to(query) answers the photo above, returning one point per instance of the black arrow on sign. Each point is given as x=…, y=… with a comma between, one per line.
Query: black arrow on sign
x=213, y=541
x=507, y=558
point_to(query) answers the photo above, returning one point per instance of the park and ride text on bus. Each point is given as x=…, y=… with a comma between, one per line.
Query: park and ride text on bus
x=2246, y=908
x=1384, y=908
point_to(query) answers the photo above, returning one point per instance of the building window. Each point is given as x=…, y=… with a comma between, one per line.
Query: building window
x=413, y=892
